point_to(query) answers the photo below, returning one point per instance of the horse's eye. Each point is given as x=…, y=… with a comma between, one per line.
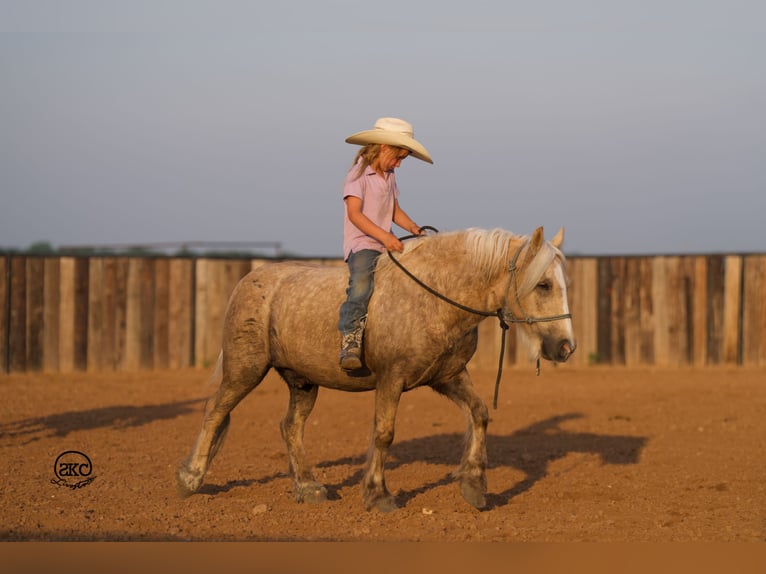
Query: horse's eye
x=544, y=286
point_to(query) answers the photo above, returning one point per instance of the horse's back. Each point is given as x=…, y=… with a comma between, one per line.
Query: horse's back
x=271, y=278
x=288, y=287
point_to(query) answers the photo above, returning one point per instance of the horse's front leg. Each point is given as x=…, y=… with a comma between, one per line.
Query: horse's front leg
x=472, y=470
x=374, y=491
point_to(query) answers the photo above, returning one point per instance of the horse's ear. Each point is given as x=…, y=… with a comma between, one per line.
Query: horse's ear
x=535, y=242
x=558, y=239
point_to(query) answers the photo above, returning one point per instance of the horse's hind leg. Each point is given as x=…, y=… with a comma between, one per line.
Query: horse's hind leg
x=472, y=470
x=303, y=395
x=234, y=386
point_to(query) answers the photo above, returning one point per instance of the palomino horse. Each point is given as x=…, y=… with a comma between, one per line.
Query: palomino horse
x=284, y=315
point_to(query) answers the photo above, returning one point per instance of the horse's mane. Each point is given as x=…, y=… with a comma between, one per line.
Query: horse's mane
x=490, y=251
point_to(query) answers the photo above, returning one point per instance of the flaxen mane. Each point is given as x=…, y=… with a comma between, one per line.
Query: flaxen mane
x=490, y=250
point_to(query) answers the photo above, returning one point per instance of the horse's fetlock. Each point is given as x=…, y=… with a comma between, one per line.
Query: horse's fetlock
x=470, y=471
x=373, y=489
x=384, y=438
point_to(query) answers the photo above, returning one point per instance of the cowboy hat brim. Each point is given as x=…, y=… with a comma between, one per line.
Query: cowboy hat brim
x=377, y=136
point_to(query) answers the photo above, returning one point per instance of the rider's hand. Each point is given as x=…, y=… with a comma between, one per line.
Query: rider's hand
x=392, y=243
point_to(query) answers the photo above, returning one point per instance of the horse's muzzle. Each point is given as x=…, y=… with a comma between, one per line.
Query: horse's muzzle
x=558, y=351
x=566, y=348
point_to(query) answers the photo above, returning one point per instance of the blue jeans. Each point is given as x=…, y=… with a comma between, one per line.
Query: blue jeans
x=360, y=286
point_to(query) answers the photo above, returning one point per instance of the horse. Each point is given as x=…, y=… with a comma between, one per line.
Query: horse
x=283, y=315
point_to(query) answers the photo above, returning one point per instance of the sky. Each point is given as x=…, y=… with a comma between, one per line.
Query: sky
x=638, y=126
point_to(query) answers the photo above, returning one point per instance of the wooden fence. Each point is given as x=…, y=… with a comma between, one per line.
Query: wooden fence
x=62, y=314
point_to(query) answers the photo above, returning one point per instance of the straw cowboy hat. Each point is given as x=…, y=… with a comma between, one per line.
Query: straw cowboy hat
x=392, y=131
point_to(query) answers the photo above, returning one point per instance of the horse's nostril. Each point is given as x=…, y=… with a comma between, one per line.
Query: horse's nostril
x=566, y=349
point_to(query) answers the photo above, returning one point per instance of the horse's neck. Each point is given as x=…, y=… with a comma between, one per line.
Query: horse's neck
x=460, y=277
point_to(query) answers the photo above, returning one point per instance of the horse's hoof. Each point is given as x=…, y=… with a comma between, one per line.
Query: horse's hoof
x=312, y=493
x=383, y=504
x=187, y=482
x=183, y=492
x=473, y=494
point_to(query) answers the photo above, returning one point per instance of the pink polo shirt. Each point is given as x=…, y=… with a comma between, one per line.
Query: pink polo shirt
x=377, y=195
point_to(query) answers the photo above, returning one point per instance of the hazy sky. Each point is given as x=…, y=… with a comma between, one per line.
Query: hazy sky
x=639, y=126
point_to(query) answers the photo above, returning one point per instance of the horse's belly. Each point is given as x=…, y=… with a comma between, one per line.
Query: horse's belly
x=328, y=375
x=311, y=349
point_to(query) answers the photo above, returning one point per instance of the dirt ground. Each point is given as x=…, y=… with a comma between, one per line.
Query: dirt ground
x=592, y=454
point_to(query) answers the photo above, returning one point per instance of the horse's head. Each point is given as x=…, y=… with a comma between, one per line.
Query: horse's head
x=538, y=298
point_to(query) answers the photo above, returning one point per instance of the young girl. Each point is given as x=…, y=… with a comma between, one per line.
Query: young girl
x=372, y=204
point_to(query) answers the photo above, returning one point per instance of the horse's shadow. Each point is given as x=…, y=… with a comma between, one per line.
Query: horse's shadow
x=531, y=450
x=118, y=417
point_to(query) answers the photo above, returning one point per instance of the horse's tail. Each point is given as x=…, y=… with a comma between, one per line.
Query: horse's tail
x=215, y=378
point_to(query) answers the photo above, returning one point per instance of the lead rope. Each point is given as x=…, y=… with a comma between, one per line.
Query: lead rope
x=504, y=328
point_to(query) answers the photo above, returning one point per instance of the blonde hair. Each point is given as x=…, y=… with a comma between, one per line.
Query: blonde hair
x=367, y=154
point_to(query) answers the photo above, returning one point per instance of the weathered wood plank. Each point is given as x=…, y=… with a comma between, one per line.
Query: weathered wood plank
x=66, y=314
x=147, y=312
x=132, y=354
x=675, y=309
x=646, y=303
x=51, y=314
x=35, y=313
x=161, y=357
x=584, y=306
x=17, y=321
x=5, y=305
x=679, y=285
x=604, y=319
x=215, y=307
x=121, y=272
x=617, y=308
x=81, y=275
x=215, y=280
x=732, y=308
x=109, y=305
x=180, y=313
x=754, y=311
x=5, y=276
x=202, y=316
x=632, y=311
x=700, y=311
x=687, y=294
x=96, y=327
x=102, y=314
x=662, y=353
x=237, y=271
x=715, y=290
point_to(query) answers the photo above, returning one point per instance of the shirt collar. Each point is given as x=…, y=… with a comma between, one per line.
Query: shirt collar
x=370, y=171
